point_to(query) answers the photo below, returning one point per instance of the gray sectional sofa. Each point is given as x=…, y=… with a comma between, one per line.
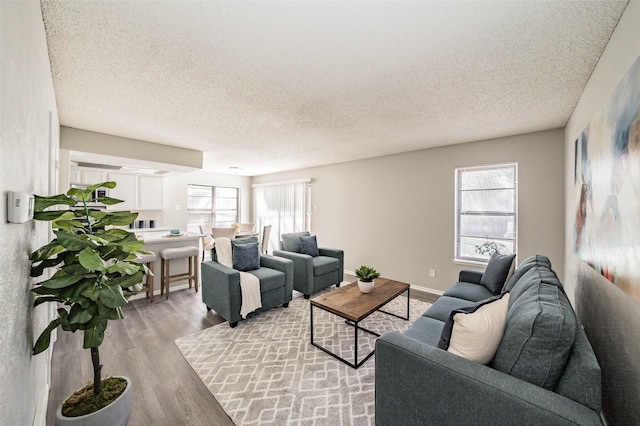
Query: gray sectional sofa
x=544, y=371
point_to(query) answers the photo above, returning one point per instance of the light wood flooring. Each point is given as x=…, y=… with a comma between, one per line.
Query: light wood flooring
x=166, y=390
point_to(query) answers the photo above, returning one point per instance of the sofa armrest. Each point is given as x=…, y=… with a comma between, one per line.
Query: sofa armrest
x=336, y=253
x=283, y=265
x=221, y=288
x=418, y=384
x=470, y=276
x=302, y=269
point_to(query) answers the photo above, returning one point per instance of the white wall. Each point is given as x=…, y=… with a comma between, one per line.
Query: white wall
x=175, y=193
x=397, y=212
x=27, y=99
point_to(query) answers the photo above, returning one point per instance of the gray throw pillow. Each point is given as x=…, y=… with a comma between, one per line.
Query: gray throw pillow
x=497, y=271
x=246, y=257
x=309, y=245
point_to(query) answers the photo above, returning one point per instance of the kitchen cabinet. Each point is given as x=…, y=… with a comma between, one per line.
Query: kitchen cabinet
x=150, y=193
x=86, y=177
x=138, y=192
x=126, y=189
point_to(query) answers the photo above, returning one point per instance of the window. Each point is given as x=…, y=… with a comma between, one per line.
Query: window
x=486, y=204
x=284, y=206
x=211, y=206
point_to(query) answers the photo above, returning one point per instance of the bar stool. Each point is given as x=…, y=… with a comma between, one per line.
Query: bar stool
x=168, y=254
x=148, y=259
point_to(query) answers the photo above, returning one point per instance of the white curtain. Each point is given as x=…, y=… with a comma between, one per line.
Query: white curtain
x=284, y=206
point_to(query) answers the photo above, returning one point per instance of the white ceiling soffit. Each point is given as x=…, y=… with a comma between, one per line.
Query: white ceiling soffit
x=274, y=86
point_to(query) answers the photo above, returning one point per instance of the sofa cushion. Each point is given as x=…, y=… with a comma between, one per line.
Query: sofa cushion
x=475, y=332
x=538, y=336
x=442, y=308
x=324, y=264
x=291, y=242
x=468, y=291
x=246, y=257
x=497, y=272
x=529, y=263
x=269, y=278
x=309, y=245
x=426, y=330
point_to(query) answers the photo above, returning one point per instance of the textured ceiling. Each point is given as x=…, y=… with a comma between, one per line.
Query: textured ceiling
x=274, y=86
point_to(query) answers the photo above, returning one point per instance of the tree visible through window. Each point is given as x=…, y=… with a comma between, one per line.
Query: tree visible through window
x=211, y=206
x=486, y=206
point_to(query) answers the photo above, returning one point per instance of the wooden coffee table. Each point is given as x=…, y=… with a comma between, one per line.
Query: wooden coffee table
x=350, y=303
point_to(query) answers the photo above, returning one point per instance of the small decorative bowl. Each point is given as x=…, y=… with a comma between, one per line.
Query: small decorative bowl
x=174, y=231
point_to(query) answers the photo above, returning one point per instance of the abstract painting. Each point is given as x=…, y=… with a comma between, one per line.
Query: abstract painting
x=607, y=188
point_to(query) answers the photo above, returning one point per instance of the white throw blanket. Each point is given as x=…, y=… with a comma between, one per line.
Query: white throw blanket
x=249, y=284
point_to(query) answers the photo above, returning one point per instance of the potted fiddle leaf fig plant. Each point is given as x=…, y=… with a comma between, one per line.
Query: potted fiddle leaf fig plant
x=95, y=274
x=366, y=276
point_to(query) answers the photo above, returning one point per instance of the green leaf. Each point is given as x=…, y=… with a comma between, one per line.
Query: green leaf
x=80, y=194
x=92, y=292
x=79, y=315
x=112, y=296
x=91, y=260
x=97, y=240
x=128, y=268
x=68, y=225
x=97, y=214
x=71, y=241
x=109, y=185
x=60, y=281
x=126, y=280
x=45, y=337
x=94, y=333
x=114, y=234
x=41, y=203
x=37, y=270
x=110, y=313
x=44, y=299
x=47, y=251
x=132, y=246
x=108, y=201
x=118, y=218
x=48, y=216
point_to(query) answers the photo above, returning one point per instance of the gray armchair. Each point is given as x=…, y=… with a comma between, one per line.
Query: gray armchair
x=221, y=286
x=311, y=273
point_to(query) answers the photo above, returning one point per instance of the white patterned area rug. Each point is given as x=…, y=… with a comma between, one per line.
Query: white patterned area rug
x=266, y=372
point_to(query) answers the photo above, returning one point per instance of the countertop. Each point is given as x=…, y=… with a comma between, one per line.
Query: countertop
x=163, y=236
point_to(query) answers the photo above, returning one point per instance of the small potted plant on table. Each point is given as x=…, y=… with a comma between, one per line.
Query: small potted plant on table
x=366, y=276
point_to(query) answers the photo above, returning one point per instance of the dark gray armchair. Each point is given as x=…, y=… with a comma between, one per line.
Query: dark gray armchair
x=221, y=286
x=311, y=273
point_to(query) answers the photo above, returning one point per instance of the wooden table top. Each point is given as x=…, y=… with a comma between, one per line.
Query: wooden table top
x=350, y=303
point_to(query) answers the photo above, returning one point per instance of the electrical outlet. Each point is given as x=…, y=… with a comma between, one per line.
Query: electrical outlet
x=432, y=273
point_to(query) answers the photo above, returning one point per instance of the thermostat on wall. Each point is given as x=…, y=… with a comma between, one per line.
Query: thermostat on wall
x=19, y=207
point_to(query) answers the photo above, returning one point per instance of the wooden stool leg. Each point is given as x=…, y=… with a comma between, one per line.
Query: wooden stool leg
x=150, y=283
x=190, y=271
x=195, y=262
x=162, y=277
x=167, y=280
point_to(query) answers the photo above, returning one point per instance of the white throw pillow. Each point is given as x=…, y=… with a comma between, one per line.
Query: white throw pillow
x=476, y=335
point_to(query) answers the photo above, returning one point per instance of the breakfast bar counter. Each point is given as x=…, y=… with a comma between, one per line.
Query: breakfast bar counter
x=157, y=239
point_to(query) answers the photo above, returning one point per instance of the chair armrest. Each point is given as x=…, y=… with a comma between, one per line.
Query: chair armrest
x=418, y=384
x=221, y=288
x=280, y=264
x=470, y=276
x=302, y=269
x=337, y=253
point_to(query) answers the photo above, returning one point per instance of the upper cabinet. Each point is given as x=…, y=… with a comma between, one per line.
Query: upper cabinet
x=138, y=192
x=86, y=177
x=150, y=193
x=126, y=189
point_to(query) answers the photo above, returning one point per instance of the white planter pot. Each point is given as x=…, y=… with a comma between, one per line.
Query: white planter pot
x=366, y=287
x=115, y=414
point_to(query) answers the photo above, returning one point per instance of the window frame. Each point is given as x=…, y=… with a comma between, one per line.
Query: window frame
x=213, y=211
x=459, y=171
